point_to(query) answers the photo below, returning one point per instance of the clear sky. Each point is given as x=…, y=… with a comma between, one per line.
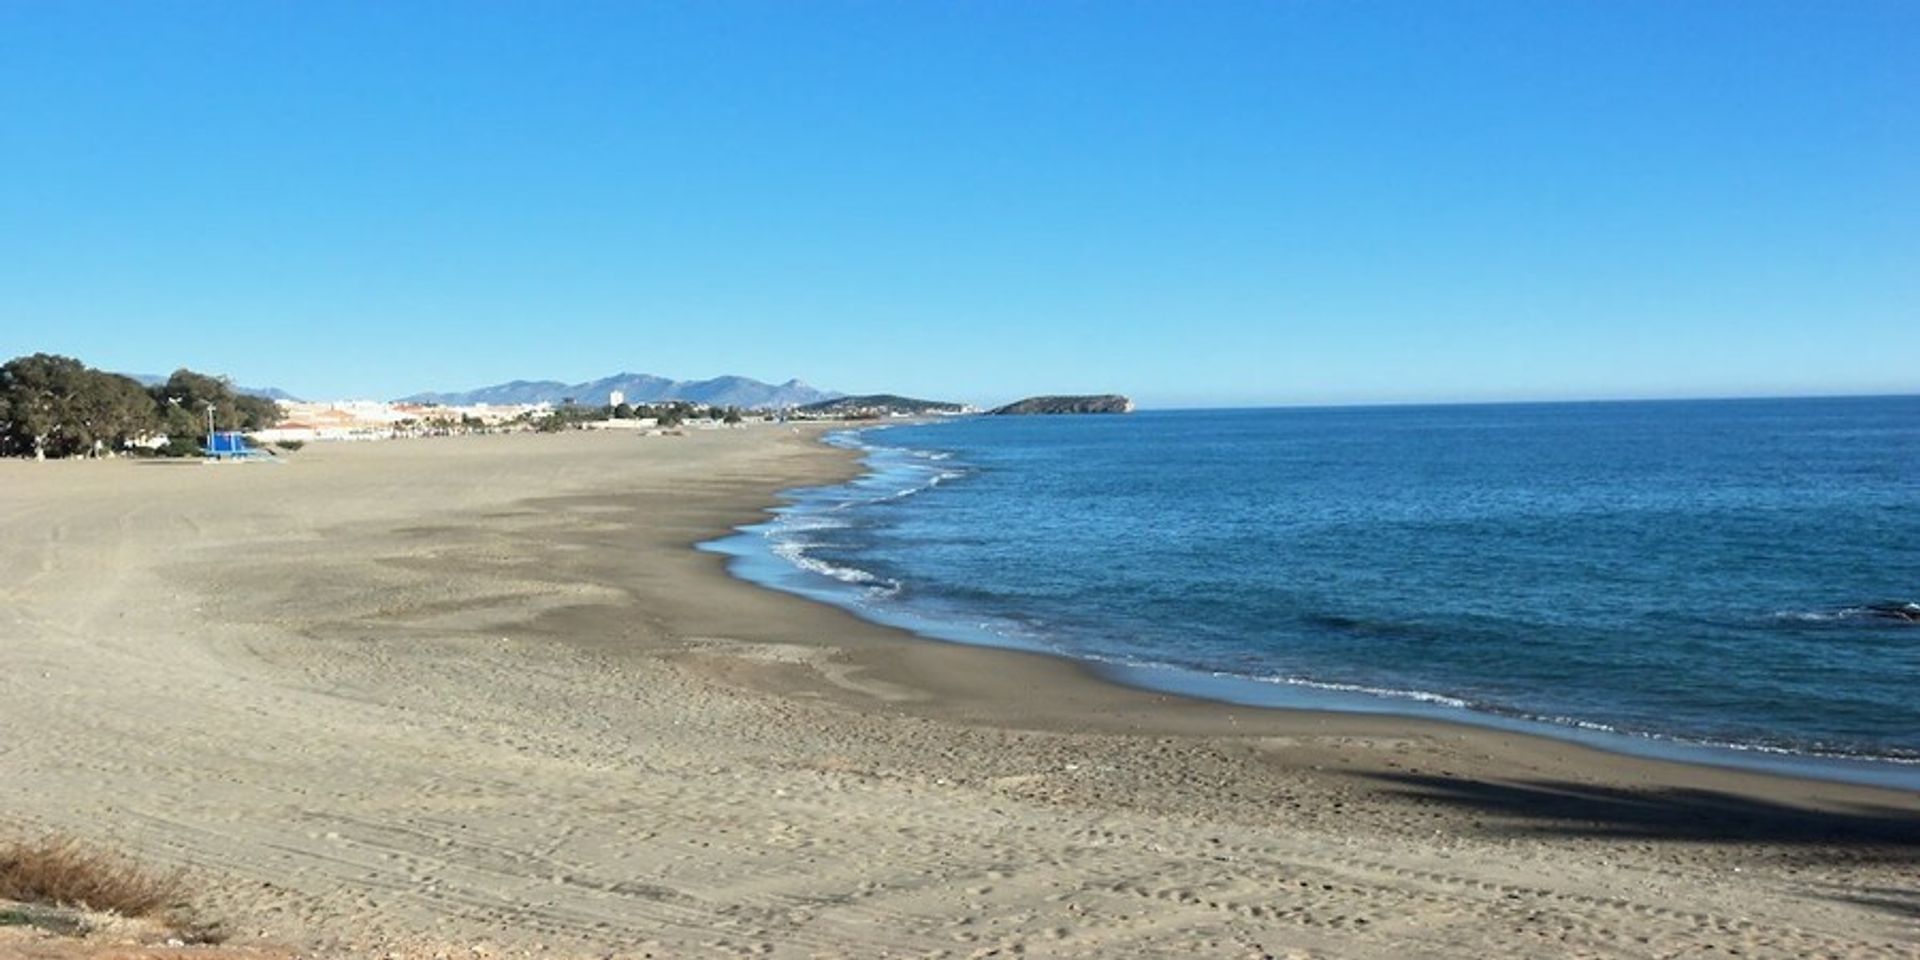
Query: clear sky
x=1191, y=202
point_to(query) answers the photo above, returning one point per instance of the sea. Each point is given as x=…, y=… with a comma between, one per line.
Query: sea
x=1724, y=581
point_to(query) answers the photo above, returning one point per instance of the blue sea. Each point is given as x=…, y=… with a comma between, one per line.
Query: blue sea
x=1720, y=581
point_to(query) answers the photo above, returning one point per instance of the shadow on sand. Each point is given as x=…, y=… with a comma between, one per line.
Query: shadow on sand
x=206, y=462
x=1900, y=903
x=1674, y=814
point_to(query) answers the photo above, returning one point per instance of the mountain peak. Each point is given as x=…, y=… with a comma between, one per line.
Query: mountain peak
x=723, y=391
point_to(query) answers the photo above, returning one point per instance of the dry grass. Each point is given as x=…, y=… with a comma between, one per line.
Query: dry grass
x=60, y=871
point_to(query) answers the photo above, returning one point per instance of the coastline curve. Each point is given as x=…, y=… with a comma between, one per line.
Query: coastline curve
x=776, y=553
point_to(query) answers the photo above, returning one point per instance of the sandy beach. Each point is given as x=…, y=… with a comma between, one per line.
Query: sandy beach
x=438, y=695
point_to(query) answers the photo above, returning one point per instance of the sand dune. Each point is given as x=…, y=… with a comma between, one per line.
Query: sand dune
x=479, y=692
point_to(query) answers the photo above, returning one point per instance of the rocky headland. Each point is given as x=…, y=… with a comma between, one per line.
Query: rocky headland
x=1100, y=403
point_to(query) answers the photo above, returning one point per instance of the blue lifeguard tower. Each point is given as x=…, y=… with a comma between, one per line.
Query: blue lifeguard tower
x=231, y=445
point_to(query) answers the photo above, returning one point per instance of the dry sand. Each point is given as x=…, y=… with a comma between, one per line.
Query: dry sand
x=478, y=693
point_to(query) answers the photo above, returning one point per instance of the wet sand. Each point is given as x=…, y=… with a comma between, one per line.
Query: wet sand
x=480, y=691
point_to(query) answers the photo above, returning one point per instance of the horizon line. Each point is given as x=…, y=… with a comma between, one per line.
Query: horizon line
x=1525, y=402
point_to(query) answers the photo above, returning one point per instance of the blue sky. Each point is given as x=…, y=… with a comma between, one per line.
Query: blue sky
x=1195, y=203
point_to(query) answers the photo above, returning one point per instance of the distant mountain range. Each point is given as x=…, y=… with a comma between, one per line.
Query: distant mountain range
x=639, y=388
x=271, y=393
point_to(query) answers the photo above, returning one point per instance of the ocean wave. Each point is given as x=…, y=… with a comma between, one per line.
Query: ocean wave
x=1419, y=696
x=862, y=493
x=1889, y=612
x=1471, y=708
x=1816, y=750
x=1330, y=686
x=893, y=474
x=806, y=522
x=848, y=440
x=796, y=553
x=918, y=488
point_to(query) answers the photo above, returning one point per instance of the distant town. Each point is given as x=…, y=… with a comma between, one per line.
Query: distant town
x=304, y=422
x=55, y=407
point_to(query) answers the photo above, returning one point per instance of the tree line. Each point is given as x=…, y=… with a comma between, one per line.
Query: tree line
x=54, y=406
x=672, y=413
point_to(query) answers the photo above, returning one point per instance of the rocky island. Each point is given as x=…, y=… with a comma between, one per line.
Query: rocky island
x=1100, y=403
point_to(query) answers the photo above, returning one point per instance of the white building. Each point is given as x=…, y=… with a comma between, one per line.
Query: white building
x=376, y=420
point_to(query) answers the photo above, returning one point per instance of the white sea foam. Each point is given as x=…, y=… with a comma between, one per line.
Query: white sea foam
x=796, y=554
x=805, y=523
x=1420, y=696
x=788, y=536
x=902, y=493
x=1810, y=750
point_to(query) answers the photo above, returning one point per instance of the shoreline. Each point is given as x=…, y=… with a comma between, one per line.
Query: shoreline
x=428, y=694
x=1230, y=691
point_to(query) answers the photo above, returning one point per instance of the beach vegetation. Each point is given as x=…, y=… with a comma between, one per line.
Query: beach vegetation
x=570, y=417
x=57, y=870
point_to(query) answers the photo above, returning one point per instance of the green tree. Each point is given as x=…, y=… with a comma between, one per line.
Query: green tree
x=33, y=391
x=183, y=400
x=114, y=411
x=54, y=406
